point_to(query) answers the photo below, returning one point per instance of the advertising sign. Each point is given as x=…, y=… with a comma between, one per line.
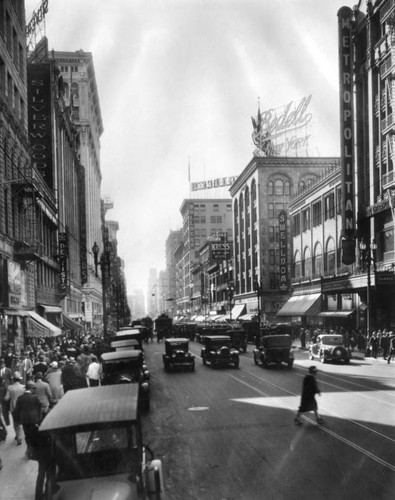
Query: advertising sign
x=220, y=250
x=282, y=132
x=39, y=111
x=63, y=252
x=282, y=217
x=14, y=284
x=346, y=133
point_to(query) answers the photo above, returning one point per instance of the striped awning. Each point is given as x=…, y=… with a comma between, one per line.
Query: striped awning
x=37, y=326
x=70, y=324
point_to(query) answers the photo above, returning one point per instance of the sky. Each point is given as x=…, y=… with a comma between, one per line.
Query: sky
x=178, y=83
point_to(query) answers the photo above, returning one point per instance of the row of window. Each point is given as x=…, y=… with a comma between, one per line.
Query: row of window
x=201, y=207
x=302, y=221
x=201, y=219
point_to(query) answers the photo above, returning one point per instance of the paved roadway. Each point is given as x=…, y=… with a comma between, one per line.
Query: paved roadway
x=226, y=434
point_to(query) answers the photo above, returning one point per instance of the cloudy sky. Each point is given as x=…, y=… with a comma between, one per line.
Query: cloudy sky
x=178, y=82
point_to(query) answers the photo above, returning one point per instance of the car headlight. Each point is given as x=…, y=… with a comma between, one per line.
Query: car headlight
x=147, y=375
x=145, y=387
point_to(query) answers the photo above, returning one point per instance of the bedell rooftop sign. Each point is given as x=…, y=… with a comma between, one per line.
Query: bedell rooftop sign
x=282, y=132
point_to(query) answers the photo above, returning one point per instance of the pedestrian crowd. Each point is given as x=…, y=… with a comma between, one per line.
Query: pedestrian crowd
x=380, y=343
x=32, y=382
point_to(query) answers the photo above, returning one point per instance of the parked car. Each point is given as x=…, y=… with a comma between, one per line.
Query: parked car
x=274, y=349
x=177, y=354
x=330, y=347
x=218, y=351
x=95, y=447
x=122, y=345
x=131, y=334
x=238, y=339
x=127, y=366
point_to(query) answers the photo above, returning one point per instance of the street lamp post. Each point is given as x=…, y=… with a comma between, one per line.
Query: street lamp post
x=230, y=298
x=368, y=256
x=258, y=290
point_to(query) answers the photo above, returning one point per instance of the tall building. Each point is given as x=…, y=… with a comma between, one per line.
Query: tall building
x=262, y=250
x=136, y=303
x=367, y=70
x=17, y=189
x=202, y=219
x=81, y=94
x=172, y=242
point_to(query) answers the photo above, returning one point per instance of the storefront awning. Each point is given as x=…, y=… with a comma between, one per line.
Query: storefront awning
x=302, y=305
x=16, y=312
x=200, y=319
x=238, y=310
x=37, y=326
x=336, y=314
x=70, y=324
x=51, y=309
x=247, y=317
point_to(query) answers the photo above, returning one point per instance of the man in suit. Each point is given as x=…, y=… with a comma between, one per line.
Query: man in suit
x=28, y=413
x=5, y=381
x=13, y=392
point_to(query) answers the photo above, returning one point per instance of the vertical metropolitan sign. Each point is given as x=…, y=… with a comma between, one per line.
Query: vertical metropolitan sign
x=282, y=219
x=346, y=133
x=39, y=112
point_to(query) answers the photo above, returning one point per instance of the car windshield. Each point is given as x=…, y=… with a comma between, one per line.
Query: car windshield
x=179, y=346
x=332, y=339
x=217, y=344
x=96, y=452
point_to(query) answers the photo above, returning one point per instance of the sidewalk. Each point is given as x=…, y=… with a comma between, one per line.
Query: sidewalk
x=18, y=476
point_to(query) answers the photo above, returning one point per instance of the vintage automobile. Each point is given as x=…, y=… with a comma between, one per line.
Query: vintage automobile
x=127, y=367
x=122, y=345
x=132, y=333
x=217, y=350
x=95, y=445
x=274, y=349
x=238, y=338
x=330, y=347
x=177, y=355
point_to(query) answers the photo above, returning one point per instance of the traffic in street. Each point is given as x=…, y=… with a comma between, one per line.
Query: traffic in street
x=226, y=433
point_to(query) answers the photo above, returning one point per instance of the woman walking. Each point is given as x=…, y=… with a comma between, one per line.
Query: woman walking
x=308, y=401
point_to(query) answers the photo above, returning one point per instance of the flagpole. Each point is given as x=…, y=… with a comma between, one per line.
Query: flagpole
x=189, y=175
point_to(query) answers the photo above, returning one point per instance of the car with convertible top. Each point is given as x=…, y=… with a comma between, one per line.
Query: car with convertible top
x=95, y=446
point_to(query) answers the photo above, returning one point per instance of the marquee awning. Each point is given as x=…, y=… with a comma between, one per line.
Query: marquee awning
x=37, y=326
x=70, y=324
x=302, y=305
x=337, y=314
x=238, y=310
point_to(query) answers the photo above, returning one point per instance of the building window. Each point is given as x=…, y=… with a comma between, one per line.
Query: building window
x=279, y=207
x=271, y=210
x=272, y=281
x=306, y=219
x=272, y=234
x=279, y=188
x=330, y=257
x=228, y=207
x=216, y=208
x=329, y=206
x=317, y=218
x=272, y=257
x=339, y=200
x=213, y=219
x=317, y=261
x=287, y=188
x=296, y=225
x=202, y=208
x=270, y=188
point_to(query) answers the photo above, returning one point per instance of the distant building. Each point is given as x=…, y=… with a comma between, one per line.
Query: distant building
x=202, y=219
x=172, y=242
x=136, y=303
x=153, y=294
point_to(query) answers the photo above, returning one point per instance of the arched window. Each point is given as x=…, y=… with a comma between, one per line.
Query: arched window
x=279, y=187
x=330, y=257
x=287, y=188
x=298, y=264
x=307, y=263
x=317, y=261
x=301, y=185
x=270, y=188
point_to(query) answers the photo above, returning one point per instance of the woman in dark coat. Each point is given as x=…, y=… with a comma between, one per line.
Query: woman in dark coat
x=308, y=401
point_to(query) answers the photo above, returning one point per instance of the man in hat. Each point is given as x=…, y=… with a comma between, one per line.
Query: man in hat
x=43, y=392
x=14, y=391
x=308, y=401
x=28, y=413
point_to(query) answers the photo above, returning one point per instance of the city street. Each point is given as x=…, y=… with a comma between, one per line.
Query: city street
x=229, y=434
